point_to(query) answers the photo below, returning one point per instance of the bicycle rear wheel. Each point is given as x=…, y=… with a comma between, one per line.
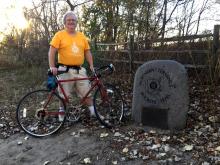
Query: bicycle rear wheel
x=108, y=105
x=37, y=113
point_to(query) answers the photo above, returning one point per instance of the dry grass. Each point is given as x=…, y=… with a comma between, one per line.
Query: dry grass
x=17, y=80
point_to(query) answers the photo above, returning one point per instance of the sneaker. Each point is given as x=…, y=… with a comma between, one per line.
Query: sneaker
x=102, y=117
x=61, y=114
x=92, y=114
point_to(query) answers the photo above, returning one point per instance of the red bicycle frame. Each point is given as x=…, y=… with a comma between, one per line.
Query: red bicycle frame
x=94, y=78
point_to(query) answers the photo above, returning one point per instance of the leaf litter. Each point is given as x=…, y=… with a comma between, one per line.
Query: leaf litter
x=197, y=143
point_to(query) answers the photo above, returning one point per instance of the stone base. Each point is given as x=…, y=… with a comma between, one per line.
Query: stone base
x=160, y=95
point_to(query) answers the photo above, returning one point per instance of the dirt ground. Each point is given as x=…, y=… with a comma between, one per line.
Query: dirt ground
x=71, y=146
x=87, y=142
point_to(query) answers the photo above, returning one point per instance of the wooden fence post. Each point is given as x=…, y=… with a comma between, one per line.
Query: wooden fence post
x=95, y=44
x=215, y=48
x=131, y=52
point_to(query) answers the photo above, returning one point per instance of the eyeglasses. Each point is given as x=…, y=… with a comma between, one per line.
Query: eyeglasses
x=71, y=20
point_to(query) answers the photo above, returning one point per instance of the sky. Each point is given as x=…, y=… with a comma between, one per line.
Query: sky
x=11, y=13
x=212, y=16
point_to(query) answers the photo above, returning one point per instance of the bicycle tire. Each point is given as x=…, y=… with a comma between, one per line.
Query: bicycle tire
x=109, y=112
x=31, y=116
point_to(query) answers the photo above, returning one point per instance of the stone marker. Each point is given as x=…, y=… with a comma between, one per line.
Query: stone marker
x=160, y=95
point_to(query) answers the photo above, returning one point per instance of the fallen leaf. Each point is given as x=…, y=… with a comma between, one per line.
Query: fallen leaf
x=145, y=157
x=117, y=134
x=132, y=139
x=177, y=159
x=213, y=119
x=152, y=131
x=114, y=162
x=125, y=150
x=82, y=130
x=135, y=152
x=87, y=161
x=155, y=146
x=217, y=148
x=46, y=163
x=188, y=148
x=162, y=154
x=73, y=133
x=103, y=135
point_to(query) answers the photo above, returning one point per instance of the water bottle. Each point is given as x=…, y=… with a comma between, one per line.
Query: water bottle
x=51, y=81
x=61, y=114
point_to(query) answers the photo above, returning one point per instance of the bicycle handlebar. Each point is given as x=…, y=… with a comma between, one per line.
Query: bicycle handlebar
x=107, y=70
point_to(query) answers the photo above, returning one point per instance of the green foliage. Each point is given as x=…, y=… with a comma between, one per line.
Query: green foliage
x=114, y=22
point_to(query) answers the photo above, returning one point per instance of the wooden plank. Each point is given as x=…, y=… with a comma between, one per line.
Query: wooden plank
x=172, y=51
x=142, y=62
x=215, y=46
x=131, y=52
x=190, y=66
x=114, y=60
x=192, y=37
x=114, y=51
x=111, y=44
x=156, y=51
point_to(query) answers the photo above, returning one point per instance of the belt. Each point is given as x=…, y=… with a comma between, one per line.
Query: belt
x=75, y=67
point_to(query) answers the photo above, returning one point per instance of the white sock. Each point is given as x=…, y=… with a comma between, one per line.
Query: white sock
x=92, y=111
x=61, y=108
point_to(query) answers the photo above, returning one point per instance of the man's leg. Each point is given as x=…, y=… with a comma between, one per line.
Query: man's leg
x=88, y=101
x=82, y=88
x=67, y=89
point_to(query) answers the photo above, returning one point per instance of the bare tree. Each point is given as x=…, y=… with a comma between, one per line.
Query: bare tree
x=167, y=18
x=202, y=9
x=73, y=5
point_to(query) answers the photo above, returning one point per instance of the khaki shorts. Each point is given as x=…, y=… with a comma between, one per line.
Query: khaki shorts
x=81, y=87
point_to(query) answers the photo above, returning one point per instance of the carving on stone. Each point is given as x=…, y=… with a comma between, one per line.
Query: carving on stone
x=153, y=86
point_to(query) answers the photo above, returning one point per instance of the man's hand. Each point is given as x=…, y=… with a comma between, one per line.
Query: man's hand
x=92, y=68
x=89, y=59
x=53, y=70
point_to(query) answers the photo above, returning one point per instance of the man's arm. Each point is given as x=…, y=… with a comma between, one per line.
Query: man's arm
x=89, y=59
x=51, y=59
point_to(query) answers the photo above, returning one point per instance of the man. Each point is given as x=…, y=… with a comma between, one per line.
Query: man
x=73, y=48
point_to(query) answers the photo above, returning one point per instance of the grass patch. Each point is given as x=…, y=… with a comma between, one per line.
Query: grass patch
x=16, y=82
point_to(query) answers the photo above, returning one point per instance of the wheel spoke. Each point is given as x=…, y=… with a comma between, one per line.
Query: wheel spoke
x=109, y=109
x=37, y=115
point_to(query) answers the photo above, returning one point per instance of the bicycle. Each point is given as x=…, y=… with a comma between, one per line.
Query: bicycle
x=38, y=111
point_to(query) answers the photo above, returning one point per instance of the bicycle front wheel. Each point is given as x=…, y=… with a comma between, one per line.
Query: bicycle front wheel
x=108, y=105
x=37, y=113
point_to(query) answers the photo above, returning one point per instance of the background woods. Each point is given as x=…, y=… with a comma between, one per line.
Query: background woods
x=149, y=22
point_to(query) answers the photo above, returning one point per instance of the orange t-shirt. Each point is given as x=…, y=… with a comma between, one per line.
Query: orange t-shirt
x=71, y=48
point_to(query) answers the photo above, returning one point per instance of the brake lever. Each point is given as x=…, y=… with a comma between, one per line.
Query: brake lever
x=111, y=66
